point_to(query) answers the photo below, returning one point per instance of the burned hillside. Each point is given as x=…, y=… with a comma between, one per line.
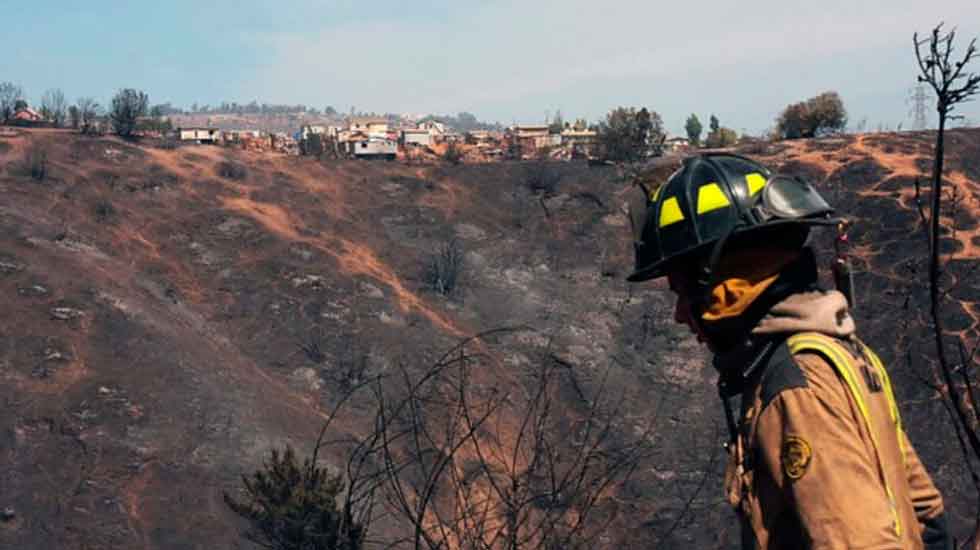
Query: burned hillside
x=174, y=314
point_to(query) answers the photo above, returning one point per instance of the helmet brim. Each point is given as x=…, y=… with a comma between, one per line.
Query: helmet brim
x=660, y=269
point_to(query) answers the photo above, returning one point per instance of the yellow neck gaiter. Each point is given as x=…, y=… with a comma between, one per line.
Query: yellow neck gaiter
x=744, y=276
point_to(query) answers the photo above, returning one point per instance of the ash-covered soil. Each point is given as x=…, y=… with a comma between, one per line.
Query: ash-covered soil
x=169, y=316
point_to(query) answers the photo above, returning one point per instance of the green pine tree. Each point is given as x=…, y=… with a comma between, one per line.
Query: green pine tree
x=295, y=508
x=694, y=129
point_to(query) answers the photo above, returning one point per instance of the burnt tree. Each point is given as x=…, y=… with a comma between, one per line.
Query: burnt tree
x=955, y=377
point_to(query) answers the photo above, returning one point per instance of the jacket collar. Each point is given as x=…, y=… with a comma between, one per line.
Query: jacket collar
x=825, y=312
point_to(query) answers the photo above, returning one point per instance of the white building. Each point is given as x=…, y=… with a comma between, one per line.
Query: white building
x=368, y=125
x=676, y=144
x=306, y=131
x=534, y=137
x=416, y=136
x=199, y=135
x=376, y=148
x=240, y=135
x=437, y=130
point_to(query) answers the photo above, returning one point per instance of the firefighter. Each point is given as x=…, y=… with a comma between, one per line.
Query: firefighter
x=818, y=457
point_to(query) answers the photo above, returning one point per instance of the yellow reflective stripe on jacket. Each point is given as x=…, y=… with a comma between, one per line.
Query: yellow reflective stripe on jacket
x=839, y=358
x=889, y=394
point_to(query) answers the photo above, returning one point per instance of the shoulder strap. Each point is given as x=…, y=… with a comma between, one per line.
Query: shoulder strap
x=876, y=363
x=781, y=373
x=837, y=355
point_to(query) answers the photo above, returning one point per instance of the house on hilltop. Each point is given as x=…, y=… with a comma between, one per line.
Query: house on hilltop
x=199, y=135
x=29, y=118
x=532, y=138
x=368, y=125
x=308, y=130
x=416, y=136
x=676, y=144
x=581, y=143
x=235, y=136
x=433, y=126
x=26, y=114
x=371, y=148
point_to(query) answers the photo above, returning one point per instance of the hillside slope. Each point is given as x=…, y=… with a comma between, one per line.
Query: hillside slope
x=158, y=303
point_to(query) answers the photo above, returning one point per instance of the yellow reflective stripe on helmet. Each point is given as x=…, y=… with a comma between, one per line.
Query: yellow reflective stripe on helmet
x=711, y=197
x=756, y=182
x=670, y=212
x=825, y=346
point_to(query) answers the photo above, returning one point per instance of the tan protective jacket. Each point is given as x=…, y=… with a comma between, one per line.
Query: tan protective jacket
x=821, y=460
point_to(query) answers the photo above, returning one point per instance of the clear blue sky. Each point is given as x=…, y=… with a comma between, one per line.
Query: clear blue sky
x=501, y=60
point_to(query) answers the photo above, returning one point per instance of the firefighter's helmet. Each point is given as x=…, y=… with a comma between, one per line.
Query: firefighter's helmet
x=712, y=198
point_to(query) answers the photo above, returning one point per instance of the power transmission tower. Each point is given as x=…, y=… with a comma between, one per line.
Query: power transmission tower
x=917, y=100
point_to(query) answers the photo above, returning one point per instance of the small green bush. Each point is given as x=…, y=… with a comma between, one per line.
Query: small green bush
x=293, y=507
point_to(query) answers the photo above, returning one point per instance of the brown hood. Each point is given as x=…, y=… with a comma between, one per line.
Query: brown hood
x=824, y=312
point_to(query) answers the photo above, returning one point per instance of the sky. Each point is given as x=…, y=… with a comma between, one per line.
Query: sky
x=502, y=60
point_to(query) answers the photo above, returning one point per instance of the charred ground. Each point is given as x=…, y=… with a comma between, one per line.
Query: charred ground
x=171, y=315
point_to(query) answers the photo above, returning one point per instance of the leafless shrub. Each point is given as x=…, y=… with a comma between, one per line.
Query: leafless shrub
x=541, y=177
x=232, y=170
x=444, y=268
x=36, y=161
x=353, y=365
x=953, y=371
x=457, y=459
x=454, y=154
x=313, y=349
x=520, y=210
x=470, y=465
x=168, y=143
x=104, y=211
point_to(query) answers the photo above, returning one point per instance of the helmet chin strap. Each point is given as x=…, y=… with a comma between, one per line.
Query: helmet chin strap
x=707, y=278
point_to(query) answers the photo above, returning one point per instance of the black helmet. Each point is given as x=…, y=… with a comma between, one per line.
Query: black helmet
x=711, y=198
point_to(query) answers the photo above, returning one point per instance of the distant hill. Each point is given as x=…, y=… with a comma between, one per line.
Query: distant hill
x=285, y=123
x=157, y=304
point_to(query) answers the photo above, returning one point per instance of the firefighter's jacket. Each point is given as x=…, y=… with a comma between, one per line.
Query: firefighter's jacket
x=821, y=460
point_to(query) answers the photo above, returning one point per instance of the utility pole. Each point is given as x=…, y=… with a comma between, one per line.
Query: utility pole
x=917, y=99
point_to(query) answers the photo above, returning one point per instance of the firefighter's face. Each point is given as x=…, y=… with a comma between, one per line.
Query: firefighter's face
x=681, y=283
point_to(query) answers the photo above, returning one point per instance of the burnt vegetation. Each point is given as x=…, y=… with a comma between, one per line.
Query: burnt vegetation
x=104, y=211
x=952, y=372
x=307, y=302
x=36, y=162
x=232, y=170
x=218, y=319
x=456, y=461
x=542, y=177
x=444, y=268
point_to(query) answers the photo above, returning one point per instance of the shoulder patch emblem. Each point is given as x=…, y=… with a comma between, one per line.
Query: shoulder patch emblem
x=795, y=456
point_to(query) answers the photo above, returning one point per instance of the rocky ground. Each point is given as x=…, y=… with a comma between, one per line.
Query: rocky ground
x=172, y=315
